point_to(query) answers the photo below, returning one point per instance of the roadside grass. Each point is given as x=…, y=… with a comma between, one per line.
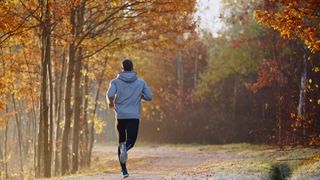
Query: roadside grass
x=308, y=169
x=261, y=161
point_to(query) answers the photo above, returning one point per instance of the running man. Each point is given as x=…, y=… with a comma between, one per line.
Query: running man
x=124, y=96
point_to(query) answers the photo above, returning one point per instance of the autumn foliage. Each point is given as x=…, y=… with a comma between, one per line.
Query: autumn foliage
x=293, y=19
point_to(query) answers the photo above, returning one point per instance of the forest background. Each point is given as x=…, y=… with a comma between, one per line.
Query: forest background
x=256, y=80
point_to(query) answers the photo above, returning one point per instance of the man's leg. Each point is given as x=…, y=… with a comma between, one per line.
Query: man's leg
x=121, y=131
x=132, y=127
x=122, y=165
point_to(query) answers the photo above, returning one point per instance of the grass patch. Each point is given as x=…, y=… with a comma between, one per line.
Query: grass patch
x=280, y=171
x=262, y=161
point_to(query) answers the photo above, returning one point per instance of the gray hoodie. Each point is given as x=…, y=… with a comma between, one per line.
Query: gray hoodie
x=127, y=90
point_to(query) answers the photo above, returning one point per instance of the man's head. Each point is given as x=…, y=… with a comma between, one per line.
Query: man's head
x=127, y=65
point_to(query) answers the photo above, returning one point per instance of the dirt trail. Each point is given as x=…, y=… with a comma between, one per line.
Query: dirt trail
x=157, y=162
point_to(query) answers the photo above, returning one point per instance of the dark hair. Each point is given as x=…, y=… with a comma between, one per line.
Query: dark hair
x=127, y=65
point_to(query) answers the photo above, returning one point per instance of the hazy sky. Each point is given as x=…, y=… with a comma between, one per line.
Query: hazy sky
x=208, y=11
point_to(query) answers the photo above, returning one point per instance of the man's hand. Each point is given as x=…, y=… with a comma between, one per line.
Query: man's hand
x=111, y=105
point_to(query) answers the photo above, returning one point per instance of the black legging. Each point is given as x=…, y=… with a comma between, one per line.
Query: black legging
x=127, y=132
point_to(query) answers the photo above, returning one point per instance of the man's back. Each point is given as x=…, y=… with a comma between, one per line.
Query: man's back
x=127, y=90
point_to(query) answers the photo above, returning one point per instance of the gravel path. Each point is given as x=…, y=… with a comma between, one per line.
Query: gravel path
x=154, y=162
x=158, y=162
x=200, y=162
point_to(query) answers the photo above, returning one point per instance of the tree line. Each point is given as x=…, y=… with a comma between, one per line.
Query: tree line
x=55, y=59
x=256, y=81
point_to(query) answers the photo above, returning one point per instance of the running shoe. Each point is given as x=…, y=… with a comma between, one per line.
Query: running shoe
x=125, y=174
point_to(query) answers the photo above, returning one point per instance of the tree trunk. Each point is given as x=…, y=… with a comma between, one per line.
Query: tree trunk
x=278, y=91
x=34, y=136
x=46, y=148
x=67, y=106
x=19, y=133
x=91, y=142
x=195, y=77
x=77, y=91
x=5, y=148
x=234, y=108
x=84, y=125
x=77, y=111
x=302, y=97
x=43, y=143
x=51, y=113
x=58, y=116
x=39, y=151
x=279, y=119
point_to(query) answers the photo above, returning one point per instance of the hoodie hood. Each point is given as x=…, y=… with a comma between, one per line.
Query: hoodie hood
x=128, y=77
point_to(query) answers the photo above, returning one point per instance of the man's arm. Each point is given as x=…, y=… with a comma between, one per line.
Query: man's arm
x=111, y=94
x=146, y=93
